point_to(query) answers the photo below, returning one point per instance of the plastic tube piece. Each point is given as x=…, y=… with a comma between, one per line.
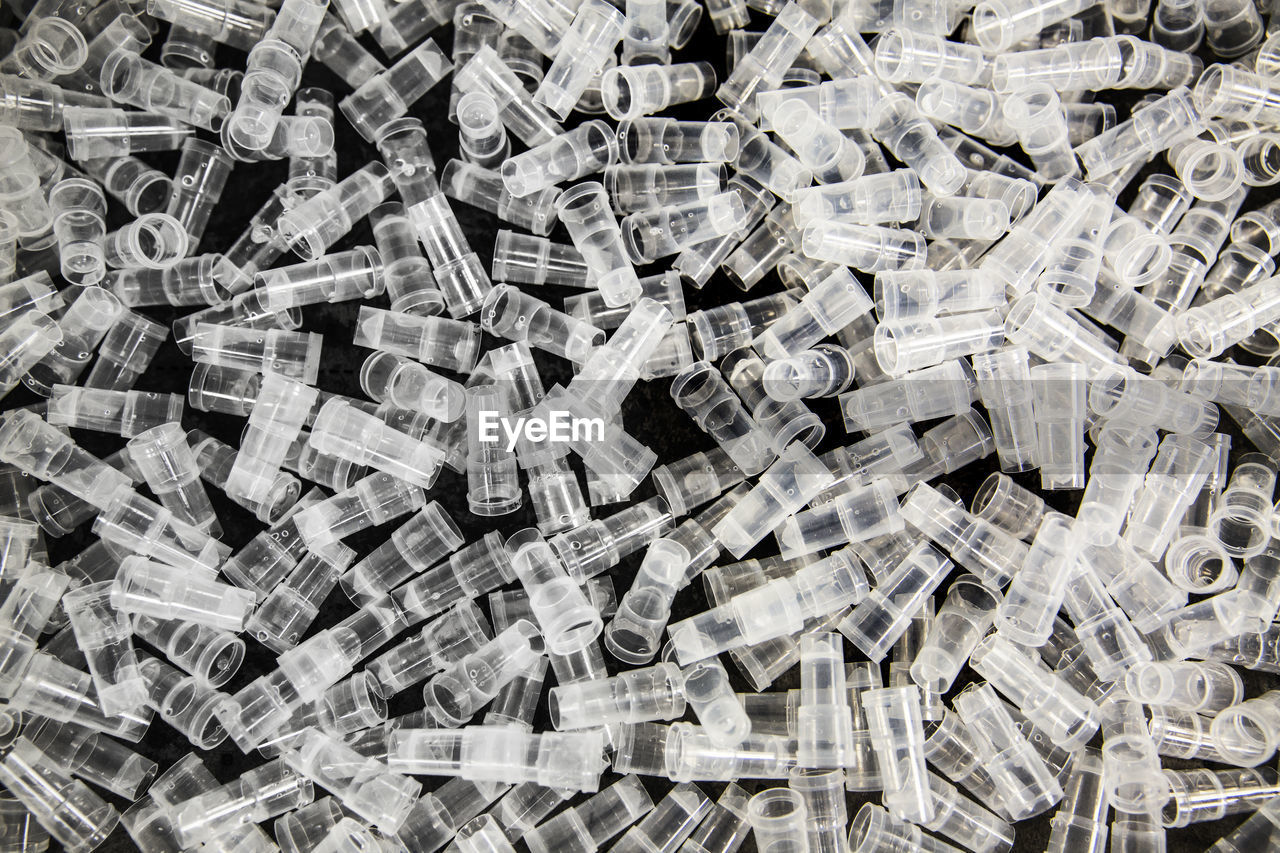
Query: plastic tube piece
x=186, y=703
x=509, y=313
x=134, y=524
x=1049, y=703
x=1019, y=772
x=373, y=500
x=904, y=346
x=874, y=828
x=630, y=91
x=129, y=79
x=104, y=635
x=861, y=513
x=969, y=611
x=348, y=433
x=572, y=760
x=897, y=734
x=83, y=326
x=445, y=641
x=908, y=56
x=169, y=467
x=27, y=204
x=211, y=656
x=340, y=277
x=719, y=710
x=584, y=210
x=409, y=283
x=154, y=589
x=85, y=753
x=665, y=289
x=585, y=828
x=482, y=835
x=457, y=693
x=884, y=615
x=78, y=206
x=526, y=806
x=597, y=28
x=701, y=391
x=666, y=141
x=293, y=355
x=1033, y=599
x=568, y=621
x=725, y=828
x=301, y=829
x=27, y=340
x=52, y=47
x=778, y=819
x=288, y=610
x=825, y=370
x=634, y=696
x=1186, y=685
x=1202, y=794
x=788, y=484
x=869, y=248
x=918, y=294
x=831, y=305
x=40, y=450
x=824, y=718
x=689, y=754
x=527, y=120
x=1242, y=733
x=524, y=259
x=126, y=352
x=95, y=132
x=1180, y=469
x=272, y=73
x=475, y=569
x=238, y=23
x=647, y=35
x=763, y=67
x=1004, y=384
x=1145, y=133
x=937, y=391
x=166, y=281
x=482, y=139
x=18, y=546
x=1036, y=114
x=815, y=590
x=1206, y=330
x=363, y=785
x=277, y=416
x=975, y=111
x=155, y=241
x=313, y=226
x=426, y=538
x=634, y=634
x=674, y=819
x=30, y=293
x=435, y=341
x=74, y=816
x=650, y=234
x=1081, y=821
x=389, y=95
x=61, y=692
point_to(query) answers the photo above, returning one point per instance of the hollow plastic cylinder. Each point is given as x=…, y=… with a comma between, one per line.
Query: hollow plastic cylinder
x=584, y=210
x=157, y=590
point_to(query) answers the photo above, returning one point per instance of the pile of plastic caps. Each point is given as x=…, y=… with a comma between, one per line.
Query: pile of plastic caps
x=1079, y=308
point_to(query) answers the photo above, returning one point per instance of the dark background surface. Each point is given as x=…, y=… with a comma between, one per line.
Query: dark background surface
x=649, y=414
